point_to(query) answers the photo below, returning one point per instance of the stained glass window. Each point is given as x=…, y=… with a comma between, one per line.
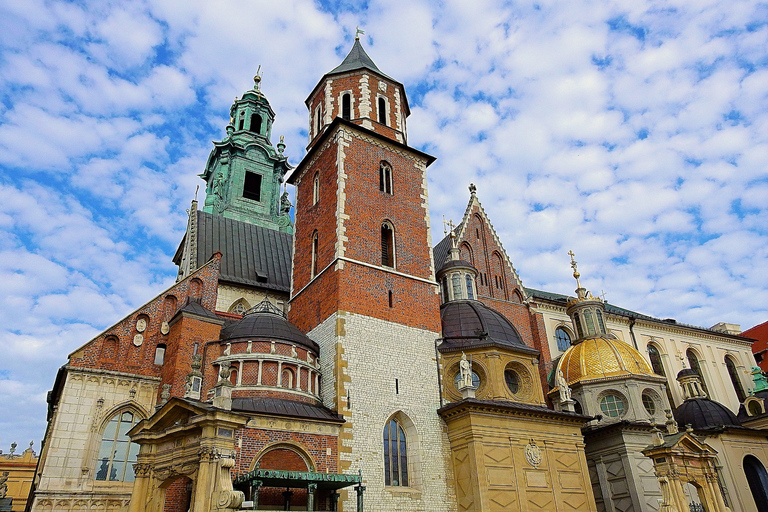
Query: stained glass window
x=563, y=339
x=395, y=455
x=612, y=405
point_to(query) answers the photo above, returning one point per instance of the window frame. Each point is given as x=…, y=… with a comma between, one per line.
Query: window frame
x=391, y=253
x=116, y=437
x=315, y=247
x=401, y=457
x=569, y=340
x=316, y=188
x=386, y=182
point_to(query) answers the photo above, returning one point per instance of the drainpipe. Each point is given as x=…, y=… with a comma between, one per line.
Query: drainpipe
x=437, y=362
x=631, y=332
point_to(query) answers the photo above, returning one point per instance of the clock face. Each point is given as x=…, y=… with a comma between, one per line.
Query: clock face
x=141, y=325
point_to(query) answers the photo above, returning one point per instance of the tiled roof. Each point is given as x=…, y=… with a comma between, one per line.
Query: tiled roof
x=356, y=59
x=290, y=408
x=251, y=255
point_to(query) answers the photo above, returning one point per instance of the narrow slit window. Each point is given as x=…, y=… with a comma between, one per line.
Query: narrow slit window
x=314, y=254
x=252, y=186
x=470, y=290
x=316, y=189
x=387, y=246
x=385, y=178
x=346, y=106
x=383, y=111
x=390, y=298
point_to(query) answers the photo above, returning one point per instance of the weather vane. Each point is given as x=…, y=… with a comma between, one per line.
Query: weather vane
x=358, y=31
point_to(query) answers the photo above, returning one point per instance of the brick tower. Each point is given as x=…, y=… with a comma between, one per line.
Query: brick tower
x=364, y=286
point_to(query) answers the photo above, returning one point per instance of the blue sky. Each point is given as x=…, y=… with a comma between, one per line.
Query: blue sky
x=633, y=132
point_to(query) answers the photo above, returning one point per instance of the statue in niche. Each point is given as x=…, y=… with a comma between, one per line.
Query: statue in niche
x=562, y=386
x=465, y=367
x=285, y=204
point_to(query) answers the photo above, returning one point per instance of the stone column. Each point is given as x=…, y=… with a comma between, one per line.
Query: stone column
x=240, y=372
x=140, y=487
x=205, y=478
x=258, y=381
x=311, y=488
x=279, y=373
x=298, y=378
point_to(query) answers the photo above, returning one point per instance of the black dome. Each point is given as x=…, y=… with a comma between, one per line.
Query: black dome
x=703, y=413
x=455, y=264
x=267, y=324
x=685, y=372
x=470, y=323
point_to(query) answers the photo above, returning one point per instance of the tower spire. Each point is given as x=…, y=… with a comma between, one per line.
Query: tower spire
x=581, y=292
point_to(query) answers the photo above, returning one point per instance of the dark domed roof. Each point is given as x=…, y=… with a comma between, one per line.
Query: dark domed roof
x=266, y=322
x=685, y=372
x=455, y=264
x=703, y=413
x=470, y=323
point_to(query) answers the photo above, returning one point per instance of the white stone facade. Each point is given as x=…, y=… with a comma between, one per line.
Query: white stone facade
x=89, y=399
x=362, y=357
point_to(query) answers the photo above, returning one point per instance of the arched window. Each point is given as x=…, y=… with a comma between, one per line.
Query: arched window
x=470, y=291
x=387, y=245
x=600, y=323
x=346, y=106
x=563, y=339
x=382, y=110
x=160, y=354
x=757, y=478
x=314, y=254
x=733, y=372
x=241, y=125
x=255, y=123
x=395, y=455
x=385, y=178
x=693, y=362
x=656, y=363
x=286, y=380
x=117, y=453
x=456, y=280
x=590, y=322
x=577, y=322
x=316, y=189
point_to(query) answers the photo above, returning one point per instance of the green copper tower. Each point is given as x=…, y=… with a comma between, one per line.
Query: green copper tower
x=244, y=171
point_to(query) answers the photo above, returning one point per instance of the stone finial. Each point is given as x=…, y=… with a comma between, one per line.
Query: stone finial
x=281, y=145
x=472, y=189
x=13, y=447
x=658, y=436
x=671, y=424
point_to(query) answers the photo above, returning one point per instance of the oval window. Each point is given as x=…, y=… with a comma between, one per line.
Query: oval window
x=649, y=403
x=513, y=381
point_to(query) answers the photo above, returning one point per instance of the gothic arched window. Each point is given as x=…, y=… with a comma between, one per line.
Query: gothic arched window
x=313, y=268
x=346, y=106
x=117, y=453
x=656, y=364
x=563, y=339
x=255, y=123
x=395, y=455
x=734, y=374
x=470, y=290
x=387, y=245
x=385, y=178
x=316, y=189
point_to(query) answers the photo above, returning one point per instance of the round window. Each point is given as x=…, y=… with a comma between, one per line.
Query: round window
x=475, y=380
x=612, y=405
x=513, y=381
x=754, y=408
x=649, y=403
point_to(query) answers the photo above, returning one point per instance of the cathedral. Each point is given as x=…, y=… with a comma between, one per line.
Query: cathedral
x=331, y=356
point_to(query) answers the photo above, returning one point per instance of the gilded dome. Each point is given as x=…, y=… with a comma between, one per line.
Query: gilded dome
x=600, y=357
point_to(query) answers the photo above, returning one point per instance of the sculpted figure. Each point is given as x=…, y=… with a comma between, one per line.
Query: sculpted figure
x=465, y=367
x=562, y=386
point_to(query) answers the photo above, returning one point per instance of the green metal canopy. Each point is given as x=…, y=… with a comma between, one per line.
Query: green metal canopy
x=296, y=479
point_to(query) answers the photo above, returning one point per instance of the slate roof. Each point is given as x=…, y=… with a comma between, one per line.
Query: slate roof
x=356, y=59
x=289, y=408
x=193, y=306
x=441, y=250
x=251, y=255
x=472, y=324
x=703, y=413
x=267, y=325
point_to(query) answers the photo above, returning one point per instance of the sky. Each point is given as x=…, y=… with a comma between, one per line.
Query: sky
x=633, y=132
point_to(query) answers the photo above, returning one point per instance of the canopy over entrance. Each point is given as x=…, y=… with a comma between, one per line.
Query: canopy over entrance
x=313, y=482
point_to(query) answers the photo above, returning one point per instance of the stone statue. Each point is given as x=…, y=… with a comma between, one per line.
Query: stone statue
x=3, y=484
x=562, y=386
x=465, y=367
x=225, y=370
x=285, y=204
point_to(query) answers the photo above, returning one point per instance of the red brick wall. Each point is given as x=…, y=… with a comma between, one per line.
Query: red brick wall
x=315, y=445
x=114, y=348
x=178, y=494
x=351, y=82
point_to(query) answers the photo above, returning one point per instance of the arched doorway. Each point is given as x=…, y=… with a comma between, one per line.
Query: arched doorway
x=757, y=478
x=283, y=457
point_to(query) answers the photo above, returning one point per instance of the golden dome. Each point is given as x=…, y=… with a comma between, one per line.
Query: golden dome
x=600, y=357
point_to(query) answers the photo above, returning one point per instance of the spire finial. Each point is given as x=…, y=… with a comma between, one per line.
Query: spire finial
x=576, y=274
x=472, y=188
x=358, y=31
x=257, y=79
x=196, y=189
